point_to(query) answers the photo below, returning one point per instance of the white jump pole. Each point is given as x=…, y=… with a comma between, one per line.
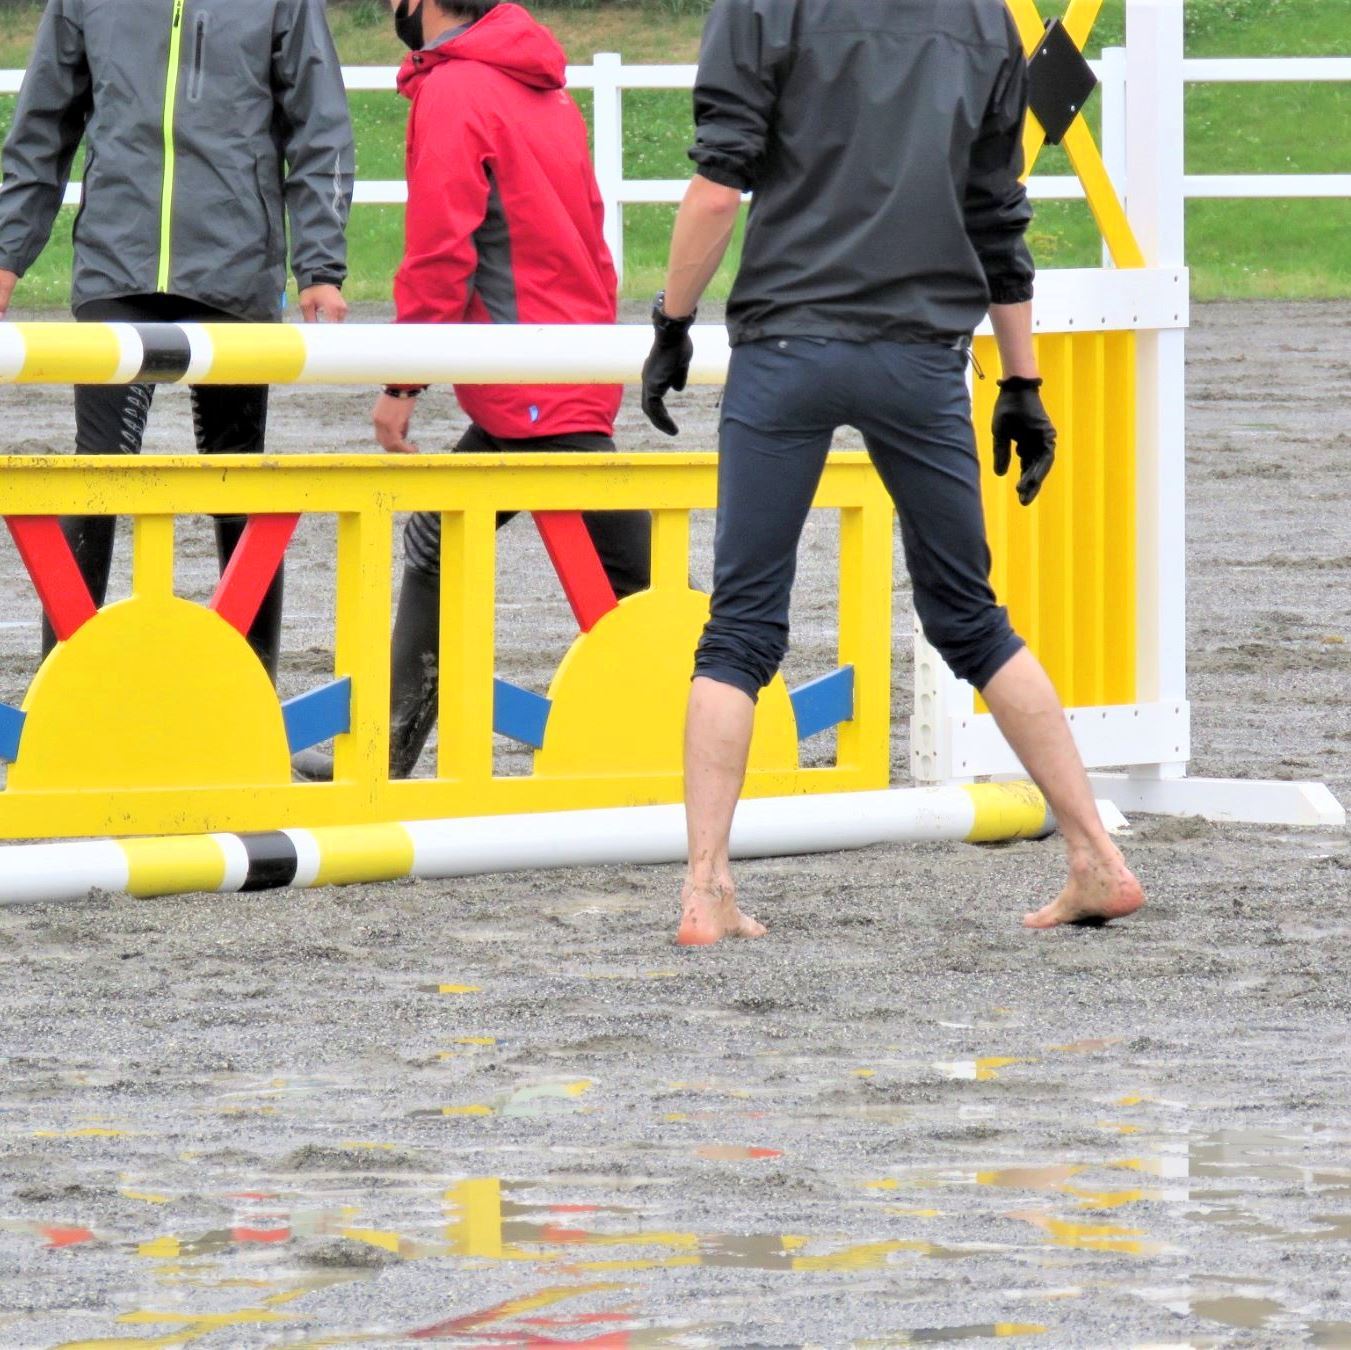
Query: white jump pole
x=438, y=849
x=1091, y=300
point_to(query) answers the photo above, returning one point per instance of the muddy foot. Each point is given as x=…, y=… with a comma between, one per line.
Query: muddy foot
x=709, y=914
x=1097, y=892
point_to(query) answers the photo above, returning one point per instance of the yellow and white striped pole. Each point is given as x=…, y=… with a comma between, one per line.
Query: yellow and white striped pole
x=436, y=849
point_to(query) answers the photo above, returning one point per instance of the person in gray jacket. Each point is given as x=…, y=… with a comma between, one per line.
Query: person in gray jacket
x=207, y=126
x=881, y=142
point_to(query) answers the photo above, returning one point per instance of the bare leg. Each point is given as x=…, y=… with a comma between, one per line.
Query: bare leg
x=1100, y=885
x=717, y=742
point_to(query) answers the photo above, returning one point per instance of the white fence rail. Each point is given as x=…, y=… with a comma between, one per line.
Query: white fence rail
x=607, y=77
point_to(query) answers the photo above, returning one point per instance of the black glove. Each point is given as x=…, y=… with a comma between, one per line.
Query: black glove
x=1019, y=416
x=667, y=364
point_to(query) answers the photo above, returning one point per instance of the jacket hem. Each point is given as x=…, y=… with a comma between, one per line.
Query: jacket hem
x=741, y=333
x=236, y=309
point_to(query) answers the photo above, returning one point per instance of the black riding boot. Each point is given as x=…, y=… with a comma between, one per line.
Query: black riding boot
x=91, y=541
x=414, y=682
x=415, y=653
x=265, y=632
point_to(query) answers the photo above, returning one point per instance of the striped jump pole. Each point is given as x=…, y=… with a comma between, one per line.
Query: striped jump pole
x=438, y=849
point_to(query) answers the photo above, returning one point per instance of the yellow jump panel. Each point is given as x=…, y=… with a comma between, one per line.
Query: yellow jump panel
x=156, y=718
x=1066, y=565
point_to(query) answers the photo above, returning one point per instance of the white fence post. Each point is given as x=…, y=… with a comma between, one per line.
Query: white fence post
x=607, y=129
x=1154, y=189
x=1113, y=76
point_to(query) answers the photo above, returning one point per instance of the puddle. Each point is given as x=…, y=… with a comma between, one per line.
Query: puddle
x=356, y=1214
x=549, y=1097
x=735, y=1153
x=495, y=1219
x=1093, y=1237
x=1248, y=1306
x=978, y=1070
x=988, y=1331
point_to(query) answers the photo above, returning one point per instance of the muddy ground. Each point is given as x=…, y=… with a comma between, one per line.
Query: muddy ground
x=505, y=1111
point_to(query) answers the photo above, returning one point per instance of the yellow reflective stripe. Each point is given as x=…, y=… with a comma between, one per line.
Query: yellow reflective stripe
x=166, y=209
x=173, y=866
x=84, y=353
x=254, y=354
x=1005, y=811
x=362, y=853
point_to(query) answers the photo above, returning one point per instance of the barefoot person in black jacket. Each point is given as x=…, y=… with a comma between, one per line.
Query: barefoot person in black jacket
x=880, y=141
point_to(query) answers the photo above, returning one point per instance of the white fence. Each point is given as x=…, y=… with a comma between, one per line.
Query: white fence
x=607, y=77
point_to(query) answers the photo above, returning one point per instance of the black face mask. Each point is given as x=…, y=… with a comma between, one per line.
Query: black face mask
x=408, y=26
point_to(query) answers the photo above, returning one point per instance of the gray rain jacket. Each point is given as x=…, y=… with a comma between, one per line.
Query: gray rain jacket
x=205, y=122
x=881, y=140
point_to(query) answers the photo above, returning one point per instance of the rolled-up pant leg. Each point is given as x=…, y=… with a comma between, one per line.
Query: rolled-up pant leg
x=772, y=445
x=919, y=435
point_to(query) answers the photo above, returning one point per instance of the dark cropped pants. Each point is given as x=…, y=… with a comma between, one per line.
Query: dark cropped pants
x=785, y=397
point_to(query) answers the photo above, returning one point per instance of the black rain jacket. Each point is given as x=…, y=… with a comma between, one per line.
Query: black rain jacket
x=882, y=143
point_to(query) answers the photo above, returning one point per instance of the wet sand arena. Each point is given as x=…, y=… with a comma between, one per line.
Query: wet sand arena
x=507, y=1112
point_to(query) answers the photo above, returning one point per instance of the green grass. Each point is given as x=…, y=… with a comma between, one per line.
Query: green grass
x=1238, y=249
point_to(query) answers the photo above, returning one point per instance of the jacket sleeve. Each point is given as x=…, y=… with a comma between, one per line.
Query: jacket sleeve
x=54, y=105
x=448, y=188
x=316, y=132
x=737, y=87
x=996, y=207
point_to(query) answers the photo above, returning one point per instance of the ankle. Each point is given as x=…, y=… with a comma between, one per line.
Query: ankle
x=1091, y=855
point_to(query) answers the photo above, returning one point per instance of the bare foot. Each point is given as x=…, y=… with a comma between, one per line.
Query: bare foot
x=1099, y=889
x=709, y=913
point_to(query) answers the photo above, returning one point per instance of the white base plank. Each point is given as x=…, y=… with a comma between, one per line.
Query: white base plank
x=1255, y=802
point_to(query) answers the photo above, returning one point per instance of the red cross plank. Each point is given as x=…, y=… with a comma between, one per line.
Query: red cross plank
x=578, y=565
x=252, y=566
x=56, y=575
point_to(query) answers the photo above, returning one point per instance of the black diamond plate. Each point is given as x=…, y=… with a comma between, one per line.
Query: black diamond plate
x=1060, y=81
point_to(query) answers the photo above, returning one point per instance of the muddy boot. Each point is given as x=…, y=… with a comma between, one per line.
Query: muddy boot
x=313, y=765
x=414, y=660
x=414, y=652
x=265, y=632
x=91, y=541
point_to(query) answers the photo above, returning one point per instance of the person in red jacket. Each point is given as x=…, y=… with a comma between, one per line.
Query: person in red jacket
x=503, y=225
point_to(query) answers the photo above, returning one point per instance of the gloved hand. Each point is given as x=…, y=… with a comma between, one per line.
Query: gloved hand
x=667, y=364
x=1020, y=417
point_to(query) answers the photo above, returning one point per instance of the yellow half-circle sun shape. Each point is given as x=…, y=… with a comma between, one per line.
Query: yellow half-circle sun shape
x=151, y=691
x=619, y=695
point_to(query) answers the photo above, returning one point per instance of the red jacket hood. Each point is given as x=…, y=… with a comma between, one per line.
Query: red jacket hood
x=506, y=38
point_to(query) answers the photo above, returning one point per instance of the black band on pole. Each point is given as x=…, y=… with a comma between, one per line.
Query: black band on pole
x=168, y=353
x=272, y=860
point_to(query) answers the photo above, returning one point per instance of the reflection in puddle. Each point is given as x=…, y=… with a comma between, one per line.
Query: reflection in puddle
x=1252, y=1314
x=581, y=1251
x=979, y=1070
x=990, y=1331
x=1057, y=1178
x=735, y=1152
x=551, y=1096
x=1093, y=1237
x=1247, y=1307
x=51, y=1236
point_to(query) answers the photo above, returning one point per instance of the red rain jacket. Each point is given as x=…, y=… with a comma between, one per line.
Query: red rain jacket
x=504, y=215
